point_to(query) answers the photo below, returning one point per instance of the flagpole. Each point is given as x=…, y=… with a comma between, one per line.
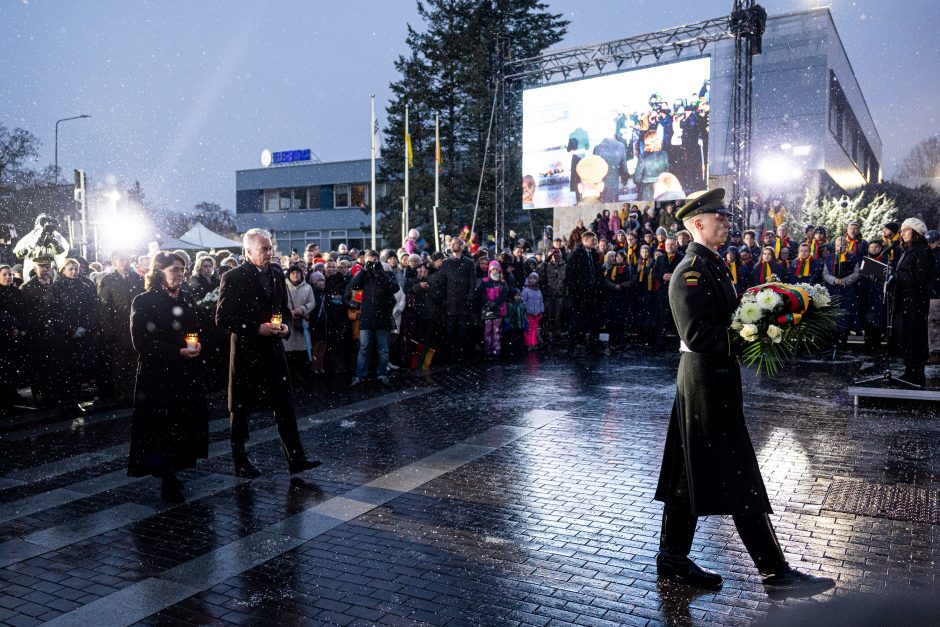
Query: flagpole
x=437, y=178
x=405, y=209
x=372, y=189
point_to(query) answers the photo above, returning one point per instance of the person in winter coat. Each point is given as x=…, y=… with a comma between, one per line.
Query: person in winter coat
x=552, y=275
x=766, y=269
x=116, y=291
x=872, y=306
x=170, y=425
x=649, y=310
x=300, y=302
x=912, y=277
x=318, y=321
x=841, y=273
x=534, y=308
x=515, y=325
x=338, y=323
x=375, y=318
x=73, y=313
x=584, y=281
x=13, y=336
x=204, y=288
x=492, y=294
x=619, y=280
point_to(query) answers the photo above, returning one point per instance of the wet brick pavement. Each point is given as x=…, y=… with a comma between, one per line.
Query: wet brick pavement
x=492, y=494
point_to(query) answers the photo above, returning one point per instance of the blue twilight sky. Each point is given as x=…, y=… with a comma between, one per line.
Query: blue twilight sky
x=184, y=93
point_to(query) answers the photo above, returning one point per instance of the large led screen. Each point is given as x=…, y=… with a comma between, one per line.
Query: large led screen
x=649, y=125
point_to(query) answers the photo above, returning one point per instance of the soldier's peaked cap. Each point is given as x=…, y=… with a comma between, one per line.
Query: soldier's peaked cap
x=696, y=203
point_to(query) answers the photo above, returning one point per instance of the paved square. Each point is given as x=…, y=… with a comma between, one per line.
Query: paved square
x=513, y=493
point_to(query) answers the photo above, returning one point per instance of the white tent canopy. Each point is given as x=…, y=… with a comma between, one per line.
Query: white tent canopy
x=200, y=238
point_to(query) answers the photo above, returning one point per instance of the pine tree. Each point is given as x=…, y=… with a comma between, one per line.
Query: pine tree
x=835, y=213
x=449, y=72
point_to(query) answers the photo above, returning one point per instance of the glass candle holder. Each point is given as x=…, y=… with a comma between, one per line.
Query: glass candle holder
x=192, y=340
x=276, y=319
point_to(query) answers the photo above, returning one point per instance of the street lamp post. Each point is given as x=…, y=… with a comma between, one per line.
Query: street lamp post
x=77, y=117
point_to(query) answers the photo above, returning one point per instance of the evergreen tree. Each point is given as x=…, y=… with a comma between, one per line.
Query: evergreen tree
x=835, y=213
x=450, y=72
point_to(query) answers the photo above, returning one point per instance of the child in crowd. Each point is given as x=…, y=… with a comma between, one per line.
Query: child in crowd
x=515, y=325
x=534, y=308
x=492, y=293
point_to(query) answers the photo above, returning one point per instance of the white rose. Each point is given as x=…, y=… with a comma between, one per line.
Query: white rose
x=775, y=333
x=820, y=297
x=750, y=332
x=750, y=313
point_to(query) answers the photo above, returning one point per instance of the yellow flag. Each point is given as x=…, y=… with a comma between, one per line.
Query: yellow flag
x=411, y=159
x=439, y=156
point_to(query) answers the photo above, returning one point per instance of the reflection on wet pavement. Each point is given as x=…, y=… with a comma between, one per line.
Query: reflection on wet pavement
x=448, y=499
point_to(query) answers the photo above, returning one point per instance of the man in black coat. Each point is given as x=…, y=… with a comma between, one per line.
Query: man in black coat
x=663, y=270
x=457, y=281
x=709, y=466
x=911, y=284
x=116, y=292
x=375, y=316
x=249, y=296
x=41, y=350
x=584, y=279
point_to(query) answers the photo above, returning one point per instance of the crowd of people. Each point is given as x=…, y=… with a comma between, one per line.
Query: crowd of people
x=364, y=312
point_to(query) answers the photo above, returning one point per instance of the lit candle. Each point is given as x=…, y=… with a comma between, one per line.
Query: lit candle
x=276, y=319
x=192, y=340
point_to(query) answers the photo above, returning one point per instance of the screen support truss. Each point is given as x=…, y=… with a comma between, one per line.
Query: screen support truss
x=745, y=25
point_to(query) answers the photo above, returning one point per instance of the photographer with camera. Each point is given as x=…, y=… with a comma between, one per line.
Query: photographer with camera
x=43, y=241
x=375, y=319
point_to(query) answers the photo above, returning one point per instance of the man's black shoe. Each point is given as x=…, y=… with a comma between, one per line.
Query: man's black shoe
x=303, y=464
x=681, y=569
x=245, y=469
x=793, y=583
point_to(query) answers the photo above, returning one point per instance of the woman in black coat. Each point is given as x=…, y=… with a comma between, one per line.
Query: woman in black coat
x=13, y=356
x=912, y=278
x=170, y=427
x=73, y=313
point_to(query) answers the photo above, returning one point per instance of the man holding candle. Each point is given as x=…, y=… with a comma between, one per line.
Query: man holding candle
x=252, y=307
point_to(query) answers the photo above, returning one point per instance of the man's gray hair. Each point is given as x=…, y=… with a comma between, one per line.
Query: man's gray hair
x=253, y=234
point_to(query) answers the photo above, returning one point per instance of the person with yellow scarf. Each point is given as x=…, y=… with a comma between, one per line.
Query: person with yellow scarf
x=648, y=316
x=805, y=269
x=766, y=269
x=619, y=280
x=841, y=272
x=740, y=274
x=891, y=241
x=855, y=243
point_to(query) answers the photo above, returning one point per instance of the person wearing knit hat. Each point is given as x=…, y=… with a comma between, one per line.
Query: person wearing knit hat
x=912, y=277
x=916, y=224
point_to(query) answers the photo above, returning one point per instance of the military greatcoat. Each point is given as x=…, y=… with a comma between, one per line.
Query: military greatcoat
x=707, y=443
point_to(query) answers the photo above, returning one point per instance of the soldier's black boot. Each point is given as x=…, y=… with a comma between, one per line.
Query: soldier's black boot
x=675, y=542
x=757, y=534
x=243, y=466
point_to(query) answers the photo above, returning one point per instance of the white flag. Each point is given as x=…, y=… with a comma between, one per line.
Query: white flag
x=376, y=137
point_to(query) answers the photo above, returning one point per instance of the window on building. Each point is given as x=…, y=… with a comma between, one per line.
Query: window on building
x=357, y=195
x=299, y=202
x=340, y=196
x=337, y=238
x=271, y=200
x=313, y=197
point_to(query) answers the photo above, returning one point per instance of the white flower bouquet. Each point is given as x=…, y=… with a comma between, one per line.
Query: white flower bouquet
x=776, y=322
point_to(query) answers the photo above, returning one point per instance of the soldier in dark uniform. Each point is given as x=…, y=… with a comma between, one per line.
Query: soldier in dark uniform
x=664, y=269
x=709, y=466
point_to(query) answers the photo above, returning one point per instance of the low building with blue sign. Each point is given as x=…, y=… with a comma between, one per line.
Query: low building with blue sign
x=307, y=202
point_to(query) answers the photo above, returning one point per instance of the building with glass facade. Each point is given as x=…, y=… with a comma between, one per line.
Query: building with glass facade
x=304, y=203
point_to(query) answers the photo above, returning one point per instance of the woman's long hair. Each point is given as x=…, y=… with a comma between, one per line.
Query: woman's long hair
x=155, y=278
x=915, y=237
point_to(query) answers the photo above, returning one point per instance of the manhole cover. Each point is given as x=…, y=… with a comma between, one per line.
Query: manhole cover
x=897, y=502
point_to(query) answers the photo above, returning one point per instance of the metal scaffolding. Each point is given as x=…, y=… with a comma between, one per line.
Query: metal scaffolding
x=745, y=25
